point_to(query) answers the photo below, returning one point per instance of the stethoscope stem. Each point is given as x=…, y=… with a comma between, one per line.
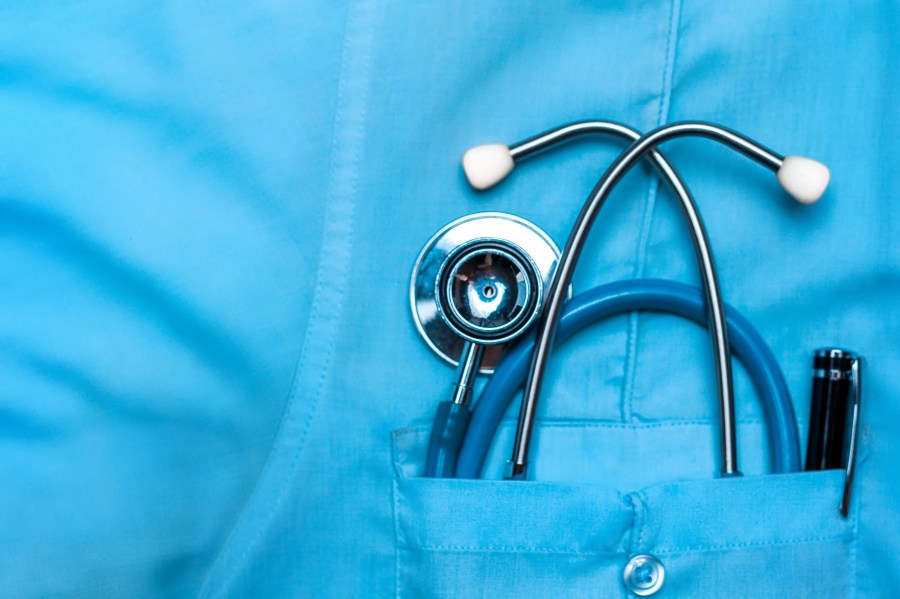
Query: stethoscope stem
x=469, y=364
x=562, y=277
x=451, y=421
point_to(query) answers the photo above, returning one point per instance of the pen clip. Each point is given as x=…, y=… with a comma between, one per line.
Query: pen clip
x=855, y=396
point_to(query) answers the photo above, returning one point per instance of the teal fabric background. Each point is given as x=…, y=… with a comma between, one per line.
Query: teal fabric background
x=211, y=381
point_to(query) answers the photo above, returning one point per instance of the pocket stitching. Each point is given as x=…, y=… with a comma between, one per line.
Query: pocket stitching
x=700, y=548
x=396, y=534
x=504, y=549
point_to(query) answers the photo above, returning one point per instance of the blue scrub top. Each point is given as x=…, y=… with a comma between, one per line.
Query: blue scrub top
x=211, y=382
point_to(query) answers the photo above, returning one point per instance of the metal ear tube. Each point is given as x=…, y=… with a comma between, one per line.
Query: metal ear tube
x=802, y=178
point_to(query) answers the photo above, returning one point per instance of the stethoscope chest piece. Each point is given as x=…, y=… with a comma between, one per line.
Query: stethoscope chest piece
x=480, y=279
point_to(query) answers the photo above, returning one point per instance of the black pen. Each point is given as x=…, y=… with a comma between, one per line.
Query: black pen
x=835, y=397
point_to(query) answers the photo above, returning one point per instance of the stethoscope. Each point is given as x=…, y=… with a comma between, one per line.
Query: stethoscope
x=482, y=281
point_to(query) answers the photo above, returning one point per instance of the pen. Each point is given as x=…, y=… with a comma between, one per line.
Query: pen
x=836, y=395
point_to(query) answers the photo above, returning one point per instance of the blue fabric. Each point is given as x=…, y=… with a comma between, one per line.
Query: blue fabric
x=211, y=381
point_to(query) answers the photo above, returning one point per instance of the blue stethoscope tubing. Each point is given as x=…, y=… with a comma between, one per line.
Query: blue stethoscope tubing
x=617, y=298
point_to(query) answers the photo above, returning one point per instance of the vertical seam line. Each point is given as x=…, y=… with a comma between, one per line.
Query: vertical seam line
x=854, y=543
x=638, y=524
x=627, y=411
x=271, y=487
x=396, y=515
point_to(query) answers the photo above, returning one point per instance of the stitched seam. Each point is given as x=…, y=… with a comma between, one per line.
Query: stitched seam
x=635, y=425
x=337, y=225
x=853, y=575
x=854, y=551
x=630, y=501
x=593, y=424
x=396, y=459
x=645, y=504
x=627, y=398
x=316, y=308
x=658, y=551
x=505, y=549
x=751, y=544
x=638, y=517
x=396, y=504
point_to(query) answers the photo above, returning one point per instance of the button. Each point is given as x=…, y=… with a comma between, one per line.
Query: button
x=644, y=575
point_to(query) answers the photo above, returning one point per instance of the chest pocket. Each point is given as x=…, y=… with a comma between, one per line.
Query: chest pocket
x=755, y=536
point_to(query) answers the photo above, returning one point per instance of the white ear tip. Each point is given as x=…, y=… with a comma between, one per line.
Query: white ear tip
x=487, y=165
x=804, y=178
